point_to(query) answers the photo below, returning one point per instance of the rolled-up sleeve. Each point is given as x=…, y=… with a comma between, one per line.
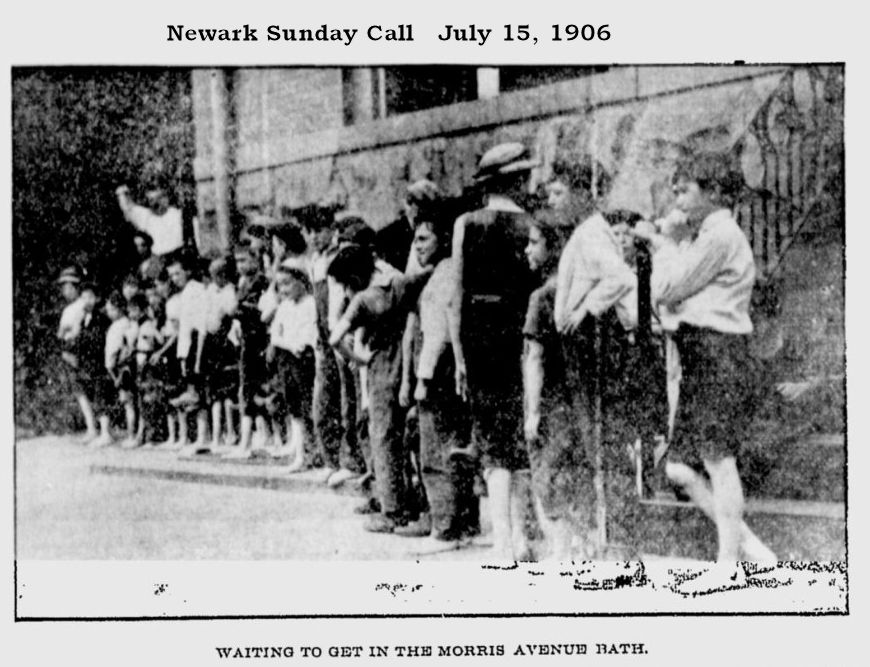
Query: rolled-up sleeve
x=592, y=272
x=615, y=278
x=679, y=272
x=565, y=276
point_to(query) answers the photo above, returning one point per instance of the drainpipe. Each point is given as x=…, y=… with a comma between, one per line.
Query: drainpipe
x=222, y=156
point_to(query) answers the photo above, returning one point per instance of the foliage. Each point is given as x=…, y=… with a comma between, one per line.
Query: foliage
x=77, y=134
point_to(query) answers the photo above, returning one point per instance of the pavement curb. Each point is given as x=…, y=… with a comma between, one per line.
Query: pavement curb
x=245, y=475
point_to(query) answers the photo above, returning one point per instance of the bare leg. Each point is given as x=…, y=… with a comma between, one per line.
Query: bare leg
x=296, y=441
x=230, y=422
x=519, y=509
x=171, y=430
x=130, y=419
x=727, y=505
x=498, y=487
x=288, y=444
x=697, y=488
x=105, y=436
x=88, y=413
x=243, y=450
x=557, y=534
x=701, y=493
x=275, y=443
x=753, y=548
x=201, y=427
x=261, y=436
x=140, y=430
x=216, y=409
x=182, y=428
x=247, y=429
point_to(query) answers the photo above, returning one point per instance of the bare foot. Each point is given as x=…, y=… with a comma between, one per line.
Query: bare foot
x=297, y=466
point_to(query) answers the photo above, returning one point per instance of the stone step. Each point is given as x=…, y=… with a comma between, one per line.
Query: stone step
x=763, y=506
x=810, y=467
x=662, y=525
x=793, y=529
x=262, y=473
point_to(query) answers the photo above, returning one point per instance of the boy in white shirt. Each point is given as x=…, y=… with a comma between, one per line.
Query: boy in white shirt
x=151, y=364
x=292, y=338
x=119, y=353
x=218, y=362
x=71, y=321
x=703, y=289
x=176, y=419
x=192, y=318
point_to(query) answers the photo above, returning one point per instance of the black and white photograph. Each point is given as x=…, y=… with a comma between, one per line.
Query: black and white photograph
x=570, y=327
x=464, y=333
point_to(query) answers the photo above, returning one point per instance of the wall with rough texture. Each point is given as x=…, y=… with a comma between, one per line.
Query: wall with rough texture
x=782, y=124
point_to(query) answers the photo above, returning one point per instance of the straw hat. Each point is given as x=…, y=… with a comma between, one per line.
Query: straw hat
x=70, y=274
x=504, y=158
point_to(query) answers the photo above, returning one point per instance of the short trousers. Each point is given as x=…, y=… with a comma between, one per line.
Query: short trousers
x=219, y=369
x=92, y=383
x=562, y=471
x=252, y=373
x=717, y=395
x=296, y=381
x=493, y=346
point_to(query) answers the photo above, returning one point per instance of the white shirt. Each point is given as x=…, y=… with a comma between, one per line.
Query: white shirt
x=192, y=315
x=173, y=311
x=118, y=337
x=71, y=319
x=294, y=326
x=593, y=272
x=434, y=305
x=167, y=230
x=268, y=302
x=317, y=266
x=706, y=282
x=222, y=303
x=147, y=340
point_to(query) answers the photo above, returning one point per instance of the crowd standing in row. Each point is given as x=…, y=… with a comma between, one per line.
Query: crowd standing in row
x=443, y=355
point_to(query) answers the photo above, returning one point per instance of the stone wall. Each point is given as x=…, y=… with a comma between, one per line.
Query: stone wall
x=297, y=161
x=784, y=124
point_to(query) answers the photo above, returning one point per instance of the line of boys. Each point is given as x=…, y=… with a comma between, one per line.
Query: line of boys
x=493, y=321
x=243, y=341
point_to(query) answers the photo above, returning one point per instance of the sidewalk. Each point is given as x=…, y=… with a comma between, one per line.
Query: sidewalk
x=112, y=503
x=802, y=530
x=111, y=509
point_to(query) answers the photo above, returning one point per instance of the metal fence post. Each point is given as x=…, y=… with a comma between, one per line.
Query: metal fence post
x=598, y=446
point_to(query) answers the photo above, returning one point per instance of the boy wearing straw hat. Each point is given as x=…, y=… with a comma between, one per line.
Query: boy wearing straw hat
x=493, y=284
x=72, y=320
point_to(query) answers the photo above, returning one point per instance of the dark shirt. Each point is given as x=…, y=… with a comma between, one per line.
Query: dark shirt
x=150, y=268
x=320, y=289
x=250, y=289
x=496, y=278
x=90, y=343
x=382, y=308
x=541, y=327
